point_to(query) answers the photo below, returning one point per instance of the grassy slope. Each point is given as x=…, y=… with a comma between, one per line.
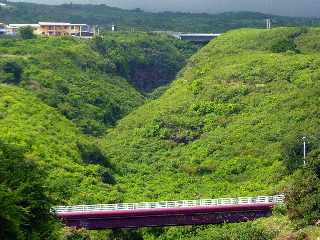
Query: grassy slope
x=220, y=129
x=52, y=141
x=224, y=126
x=105, y=16
x=68, y=75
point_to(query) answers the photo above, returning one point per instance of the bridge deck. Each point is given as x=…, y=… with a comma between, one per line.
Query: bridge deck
x=185, y=212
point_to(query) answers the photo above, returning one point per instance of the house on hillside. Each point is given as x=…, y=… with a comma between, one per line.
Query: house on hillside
x=63, y=29
x=55, y=29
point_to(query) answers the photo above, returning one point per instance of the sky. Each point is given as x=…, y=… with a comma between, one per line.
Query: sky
x=308, y=8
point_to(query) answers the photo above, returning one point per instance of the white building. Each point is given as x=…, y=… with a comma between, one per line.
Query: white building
x=55, y=29
x=3, y=29
x=12, y=29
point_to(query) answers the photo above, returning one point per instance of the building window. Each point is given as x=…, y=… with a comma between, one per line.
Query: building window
x=50, y=27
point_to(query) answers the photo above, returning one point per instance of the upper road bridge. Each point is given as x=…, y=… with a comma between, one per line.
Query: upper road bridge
x=170, y=213
x=191, y=37
x=197, y=37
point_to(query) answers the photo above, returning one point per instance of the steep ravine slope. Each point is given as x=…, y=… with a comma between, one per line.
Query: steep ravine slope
x=228, y=125
x=74, y=174
x=147, y=60
x=93, y=83
x=68, y=75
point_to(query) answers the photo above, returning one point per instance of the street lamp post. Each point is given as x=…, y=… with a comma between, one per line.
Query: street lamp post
x=304, y=150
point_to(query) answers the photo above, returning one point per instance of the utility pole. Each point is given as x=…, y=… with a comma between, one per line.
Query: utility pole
x=268, y=23
x=268, y=11
x=304, y=150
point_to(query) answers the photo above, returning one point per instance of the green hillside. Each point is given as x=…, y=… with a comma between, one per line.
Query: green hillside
x=72, y=169
x=54, y=93
x=93, y=83
x=147, y=60
x=230, y=125
x=70, y=76
x=105, y=16
x=56, y=145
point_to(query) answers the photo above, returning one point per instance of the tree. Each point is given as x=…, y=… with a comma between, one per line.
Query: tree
x=12, y=72
x=99, y=45
x=24, y=203
x=303, y=194
x=26, y=32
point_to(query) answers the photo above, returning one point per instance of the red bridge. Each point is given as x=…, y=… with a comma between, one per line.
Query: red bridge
x=172, y=213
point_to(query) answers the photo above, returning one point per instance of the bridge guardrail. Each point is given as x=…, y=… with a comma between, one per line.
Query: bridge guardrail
x=277, y=199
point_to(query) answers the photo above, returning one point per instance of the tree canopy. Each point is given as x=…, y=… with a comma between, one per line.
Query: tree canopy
x=229, y=125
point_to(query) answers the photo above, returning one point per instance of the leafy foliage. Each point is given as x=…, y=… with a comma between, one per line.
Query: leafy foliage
x=230, y=125
x=26, y=33
x=81, y=84
x=11, y=72
x=303, y=194
x=24, y=199
x=68, y=75
x=226, y=126
x=148, y=61
x=52, y=142
x=81, y=79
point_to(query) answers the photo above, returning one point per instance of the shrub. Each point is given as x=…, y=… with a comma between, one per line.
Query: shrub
x=26, y=33
x=293, y=152
x=92, y=154
x=12, y=72
x=303, y=194
x=25, y=205
x=284, y=46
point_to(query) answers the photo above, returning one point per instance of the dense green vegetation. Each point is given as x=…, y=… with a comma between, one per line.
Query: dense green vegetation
x=23, y=198
x=230, y=125
x=58, y=164
x=68, y=75
x=83, y=79
x=26, y=33
x=224, y=124
x=146, y=60
x=77, y=170
x=44, y=160
x=105, y=16
x=303, y=194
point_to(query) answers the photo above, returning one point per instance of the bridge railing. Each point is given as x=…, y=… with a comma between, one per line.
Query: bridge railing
x=278, y=199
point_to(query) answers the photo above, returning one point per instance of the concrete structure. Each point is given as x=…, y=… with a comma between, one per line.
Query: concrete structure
x=172, y=213
x=55, y=29
x=114, y=28
x=198, y=37
x=12, y=29
x=192, y=37
x=60, y=29
x=3, y=29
